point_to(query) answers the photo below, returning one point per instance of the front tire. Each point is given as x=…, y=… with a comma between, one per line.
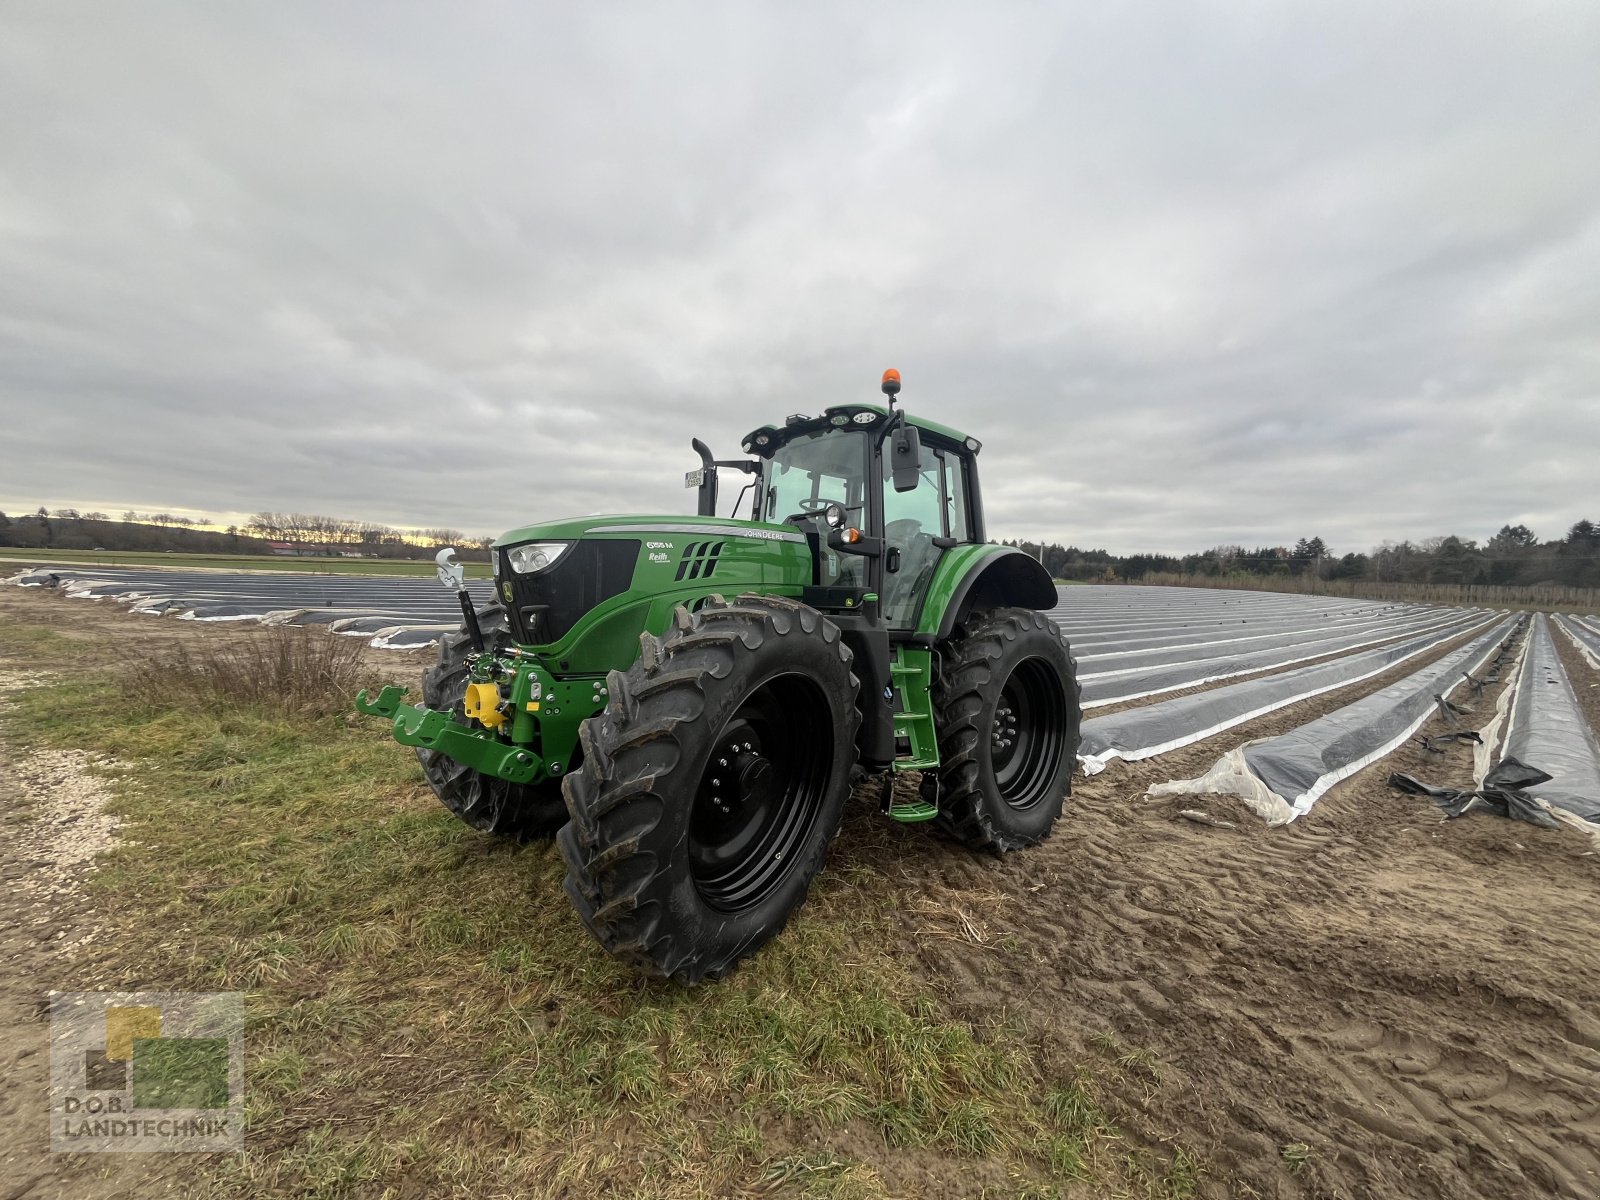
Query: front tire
x=487, y=803
x=1007, y=709
x=711, y=785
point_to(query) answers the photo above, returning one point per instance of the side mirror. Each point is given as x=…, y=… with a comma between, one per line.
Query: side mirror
x=905, y=457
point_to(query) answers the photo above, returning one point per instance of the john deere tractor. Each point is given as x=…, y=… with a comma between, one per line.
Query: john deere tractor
x=686, y=703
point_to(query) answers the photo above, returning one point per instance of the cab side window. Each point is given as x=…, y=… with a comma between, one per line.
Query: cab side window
x=955, y=487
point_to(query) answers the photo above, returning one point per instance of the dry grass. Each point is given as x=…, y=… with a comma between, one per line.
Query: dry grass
x=288, y=671
x=426, y=1016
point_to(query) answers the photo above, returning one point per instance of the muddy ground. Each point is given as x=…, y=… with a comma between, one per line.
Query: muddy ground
x=1368, y=1003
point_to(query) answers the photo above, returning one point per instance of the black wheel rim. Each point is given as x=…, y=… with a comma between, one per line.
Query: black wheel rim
x=761, y=793
x=1028, y=734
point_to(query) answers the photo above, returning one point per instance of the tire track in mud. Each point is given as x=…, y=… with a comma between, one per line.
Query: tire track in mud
x=1409, y=1000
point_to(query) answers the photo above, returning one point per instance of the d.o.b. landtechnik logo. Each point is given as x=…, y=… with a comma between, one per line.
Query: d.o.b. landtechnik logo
x=146, y=1071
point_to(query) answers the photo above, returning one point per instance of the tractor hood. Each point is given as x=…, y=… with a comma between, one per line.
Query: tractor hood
x=573, y=528
x=587, y=586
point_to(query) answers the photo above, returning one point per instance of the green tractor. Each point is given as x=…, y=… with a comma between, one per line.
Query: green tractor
x=686, y=703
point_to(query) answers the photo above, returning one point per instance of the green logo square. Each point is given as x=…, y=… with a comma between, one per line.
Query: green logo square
x=180, y=1072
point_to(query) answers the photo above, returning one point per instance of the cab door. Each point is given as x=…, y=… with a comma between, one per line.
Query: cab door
x=918, y=527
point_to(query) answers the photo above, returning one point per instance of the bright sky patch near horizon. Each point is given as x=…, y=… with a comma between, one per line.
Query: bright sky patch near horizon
x=1195, y=274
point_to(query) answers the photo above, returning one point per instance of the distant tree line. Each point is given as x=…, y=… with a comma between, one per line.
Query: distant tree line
x=69, y=529
x=340, y=533
x=1515, y=556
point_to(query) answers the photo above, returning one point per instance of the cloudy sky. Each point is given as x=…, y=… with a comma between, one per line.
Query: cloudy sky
x=1194, y=274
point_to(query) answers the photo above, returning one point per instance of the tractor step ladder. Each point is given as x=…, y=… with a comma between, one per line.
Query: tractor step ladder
x=913, y=724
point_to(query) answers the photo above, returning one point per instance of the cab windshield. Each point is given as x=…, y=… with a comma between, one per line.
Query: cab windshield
x=807, y=474
x=814, y=470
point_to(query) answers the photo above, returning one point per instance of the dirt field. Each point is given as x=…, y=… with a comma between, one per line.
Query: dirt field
x=1366, y=1004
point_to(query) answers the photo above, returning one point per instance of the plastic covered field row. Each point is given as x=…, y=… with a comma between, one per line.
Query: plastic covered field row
x=1156, y=729
x=1143, y=615
x=1547, y=730
x=1237, y=634
x=1282, y=777
x=1584, y=636
x=276, y=588
x=394, y=614
x=1133, y=623
x=1137, y=685
x=1122, y=597
x=1311, y=641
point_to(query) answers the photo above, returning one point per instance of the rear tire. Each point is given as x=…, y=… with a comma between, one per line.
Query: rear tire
x=489, y=804
x=711, y=785
x=1007, y=709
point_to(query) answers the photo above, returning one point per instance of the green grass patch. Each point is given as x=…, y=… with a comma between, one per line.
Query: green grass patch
x=180, y=1072
x=41, y=647
x=231, y=562
x=426, y=1015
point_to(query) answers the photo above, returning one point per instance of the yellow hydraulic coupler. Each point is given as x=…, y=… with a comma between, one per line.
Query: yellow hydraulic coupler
x=482, y=704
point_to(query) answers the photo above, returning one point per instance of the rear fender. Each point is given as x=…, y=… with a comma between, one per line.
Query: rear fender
x=974, y=578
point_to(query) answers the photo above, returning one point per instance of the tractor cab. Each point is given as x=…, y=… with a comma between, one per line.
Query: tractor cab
x=880, y=495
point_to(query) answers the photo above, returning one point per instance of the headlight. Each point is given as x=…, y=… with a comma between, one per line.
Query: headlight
x=535, y=556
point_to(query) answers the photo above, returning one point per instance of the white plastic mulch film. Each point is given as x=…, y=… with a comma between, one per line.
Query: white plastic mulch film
x=1282, y=777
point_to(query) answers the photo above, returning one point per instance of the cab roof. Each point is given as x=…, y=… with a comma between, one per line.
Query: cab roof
x=763, y=441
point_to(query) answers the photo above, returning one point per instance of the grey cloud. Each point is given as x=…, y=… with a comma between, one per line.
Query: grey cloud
x=1194, y=274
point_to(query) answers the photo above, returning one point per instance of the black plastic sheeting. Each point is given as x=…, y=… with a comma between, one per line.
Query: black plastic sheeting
x=1099, y=691
x=1282, y=777
x=1307, y=762
x=1503, y=793
x=1547, y=730
x=1549, y=764
x=1153, y=729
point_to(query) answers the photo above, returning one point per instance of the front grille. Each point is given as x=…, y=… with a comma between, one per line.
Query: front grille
x=545, y=605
